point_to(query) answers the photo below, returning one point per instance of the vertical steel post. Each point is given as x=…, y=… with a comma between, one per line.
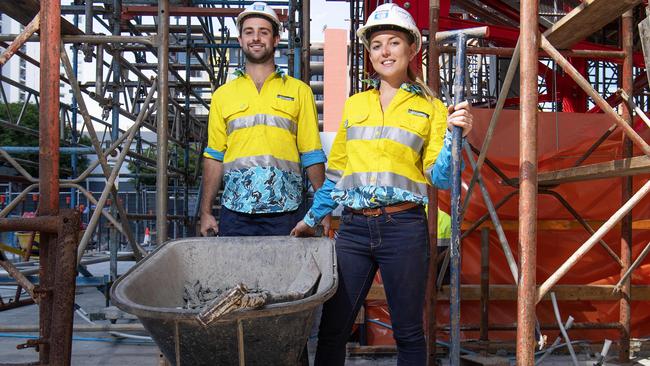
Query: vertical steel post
x=627, y=83
x=48, y=158
x=526, y=289
x=113, y=237
x=186, y=157
x=64, y=282
x=433, y=81
x=162, y=121
x=306, y=44
x=485, y=283
x=454, y=247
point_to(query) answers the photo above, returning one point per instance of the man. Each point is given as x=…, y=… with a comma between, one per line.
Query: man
x=262, y=133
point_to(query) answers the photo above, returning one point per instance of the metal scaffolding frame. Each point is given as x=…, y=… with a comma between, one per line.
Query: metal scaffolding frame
x=125, y=90
x=148, y=67
x=607, y=71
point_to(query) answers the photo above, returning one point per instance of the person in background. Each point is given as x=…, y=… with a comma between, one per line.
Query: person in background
x=262, y=133
x=391, y=143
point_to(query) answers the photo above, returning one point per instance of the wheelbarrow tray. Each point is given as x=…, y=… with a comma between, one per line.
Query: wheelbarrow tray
x=274, y=335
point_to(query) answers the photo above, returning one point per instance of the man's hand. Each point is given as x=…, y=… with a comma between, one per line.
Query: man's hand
x=327, y=225
x=460, y=115
x=208, y=223
x=302, y=230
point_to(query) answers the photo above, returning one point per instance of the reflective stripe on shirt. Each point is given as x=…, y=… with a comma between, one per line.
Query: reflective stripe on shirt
x=387, y=179
x=396, y=134
x=262, y=119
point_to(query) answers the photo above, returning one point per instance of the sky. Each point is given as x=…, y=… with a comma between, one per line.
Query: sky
x=331, y=14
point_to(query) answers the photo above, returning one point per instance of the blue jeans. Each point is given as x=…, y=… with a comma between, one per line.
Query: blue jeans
x=397, y=245
x=233, y=223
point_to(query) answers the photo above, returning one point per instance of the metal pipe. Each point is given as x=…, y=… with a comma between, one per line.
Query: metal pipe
x=485, y=283
x=77, y=328
x=306, y=45
x=13, y=203
x=64, y=283
x=101, y=158
x=634, y=266
x=529, y=38
x=510, y=258
x=582, y=222
x=433, y=80
x=584, y=248
x=94, y=219
x=503, y=95
x=48, y=170
x=17, y=166
x=43, y=224
x=556, y=310
x=627, y=82
x=509, y=52
x=598, y=99
x=567, y=326
x=35, y=149
x=20, y=278
x=20, y=40
x=162, y=121
x=513, y=326
x=595, y=145
x=639, y=112
x=89, y=38
x=454, y=247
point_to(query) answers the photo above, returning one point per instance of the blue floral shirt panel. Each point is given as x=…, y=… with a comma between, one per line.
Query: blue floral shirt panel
x=261, y=190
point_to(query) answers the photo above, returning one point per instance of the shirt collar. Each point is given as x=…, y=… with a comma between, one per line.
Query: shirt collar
x=409, y=87
x=241, y=71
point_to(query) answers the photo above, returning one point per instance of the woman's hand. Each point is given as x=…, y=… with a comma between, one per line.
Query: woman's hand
x=302, y=229
x=460, y=115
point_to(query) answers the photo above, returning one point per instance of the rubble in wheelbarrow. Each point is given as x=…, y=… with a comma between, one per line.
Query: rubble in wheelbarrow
x=198, y=295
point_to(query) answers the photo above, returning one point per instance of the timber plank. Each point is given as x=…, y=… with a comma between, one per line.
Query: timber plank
x=585, y=19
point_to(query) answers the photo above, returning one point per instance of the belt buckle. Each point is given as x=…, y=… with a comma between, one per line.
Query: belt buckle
x=371, y=212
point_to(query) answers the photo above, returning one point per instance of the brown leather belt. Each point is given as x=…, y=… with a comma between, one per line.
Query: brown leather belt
x=385, y=209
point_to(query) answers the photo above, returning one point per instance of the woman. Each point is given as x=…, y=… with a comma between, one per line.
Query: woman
x=391, y=143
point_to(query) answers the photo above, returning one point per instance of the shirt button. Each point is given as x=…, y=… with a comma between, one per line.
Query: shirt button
x=377, y=133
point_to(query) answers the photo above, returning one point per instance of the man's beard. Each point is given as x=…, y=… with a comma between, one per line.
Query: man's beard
x=257, y=58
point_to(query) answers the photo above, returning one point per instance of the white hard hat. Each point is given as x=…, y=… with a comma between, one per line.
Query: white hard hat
x=389, y=16
x=261, y=9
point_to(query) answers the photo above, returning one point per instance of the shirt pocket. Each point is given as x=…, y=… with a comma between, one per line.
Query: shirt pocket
x=416, y=122
x=230, y=110
x=287, y=106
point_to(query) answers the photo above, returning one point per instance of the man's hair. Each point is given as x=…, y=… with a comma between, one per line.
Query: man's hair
x=274, y=26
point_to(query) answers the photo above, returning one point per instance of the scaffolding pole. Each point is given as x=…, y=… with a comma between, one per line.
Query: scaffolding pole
x=529, y=39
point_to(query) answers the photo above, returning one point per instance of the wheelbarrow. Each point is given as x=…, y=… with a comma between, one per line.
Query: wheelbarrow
x=272, y=335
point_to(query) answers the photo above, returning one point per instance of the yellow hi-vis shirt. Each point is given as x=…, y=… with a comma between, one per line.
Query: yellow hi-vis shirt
x=395, y=148
x=264, y=139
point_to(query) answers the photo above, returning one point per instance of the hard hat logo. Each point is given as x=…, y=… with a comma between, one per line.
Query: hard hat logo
x=390, y=15
x=381, y=15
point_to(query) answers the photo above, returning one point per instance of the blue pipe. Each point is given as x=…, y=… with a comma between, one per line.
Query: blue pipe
x=82, y=339
x=456, y=158
x=35, y=150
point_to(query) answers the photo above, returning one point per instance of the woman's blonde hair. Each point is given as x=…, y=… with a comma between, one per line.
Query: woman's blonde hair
x=417, y=81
